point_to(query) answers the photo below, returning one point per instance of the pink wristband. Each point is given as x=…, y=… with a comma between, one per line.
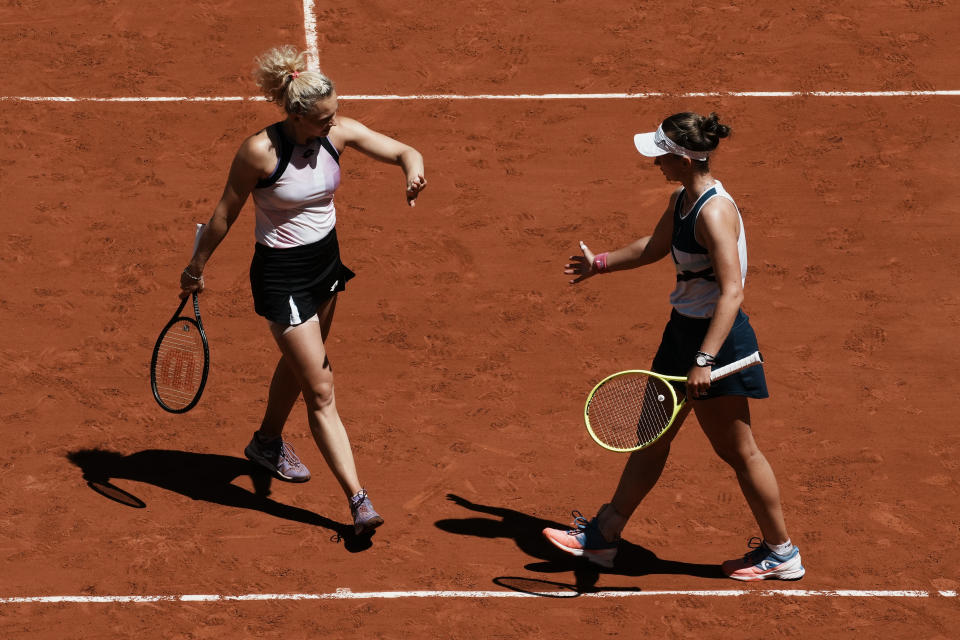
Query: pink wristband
x=600, y=262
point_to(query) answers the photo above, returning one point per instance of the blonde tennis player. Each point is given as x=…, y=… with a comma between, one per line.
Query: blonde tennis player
x=292, y=169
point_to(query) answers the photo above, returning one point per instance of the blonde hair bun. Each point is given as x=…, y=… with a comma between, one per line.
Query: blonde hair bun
x=283, y=76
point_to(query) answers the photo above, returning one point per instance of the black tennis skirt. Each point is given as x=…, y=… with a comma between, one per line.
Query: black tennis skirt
x=290, y=285
x=683, y=337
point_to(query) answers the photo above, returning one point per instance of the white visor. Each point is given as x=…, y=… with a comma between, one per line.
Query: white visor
x=656, y=143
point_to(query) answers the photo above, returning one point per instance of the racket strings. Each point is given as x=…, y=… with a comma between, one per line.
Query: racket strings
x=630, y=411
x=179, y=368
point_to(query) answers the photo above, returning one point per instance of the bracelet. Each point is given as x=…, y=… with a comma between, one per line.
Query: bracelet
x=191, y=276
x=600, y=262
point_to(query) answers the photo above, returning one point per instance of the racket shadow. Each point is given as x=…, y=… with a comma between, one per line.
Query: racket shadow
x=199, y=476
x=526, y=532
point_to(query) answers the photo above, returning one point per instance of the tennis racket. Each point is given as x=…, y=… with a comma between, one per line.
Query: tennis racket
x=181, y=361
x=181, y=357
x=630, y=410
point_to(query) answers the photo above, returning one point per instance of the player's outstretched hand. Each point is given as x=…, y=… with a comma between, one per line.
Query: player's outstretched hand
x=581, y=266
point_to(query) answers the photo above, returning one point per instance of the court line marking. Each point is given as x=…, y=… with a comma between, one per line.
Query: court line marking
x=516, y=96
x=310, y=33
x=347, y=594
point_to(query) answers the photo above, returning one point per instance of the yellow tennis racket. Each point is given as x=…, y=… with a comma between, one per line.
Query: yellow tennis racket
x=630, y=410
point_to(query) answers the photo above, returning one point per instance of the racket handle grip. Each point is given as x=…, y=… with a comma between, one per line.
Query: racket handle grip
x=729, y=369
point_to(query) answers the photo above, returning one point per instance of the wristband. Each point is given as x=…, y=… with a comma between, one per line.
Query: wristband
x=191, y=276
x=600, y=262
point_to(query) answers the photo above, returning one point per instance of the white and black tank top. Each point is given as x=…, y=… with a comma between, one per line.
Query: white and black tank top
x=294, y=206
x=697, y=289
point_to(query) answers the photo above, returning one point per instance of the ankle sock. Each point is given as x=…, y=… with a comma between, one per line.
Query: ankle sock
x=782, y=550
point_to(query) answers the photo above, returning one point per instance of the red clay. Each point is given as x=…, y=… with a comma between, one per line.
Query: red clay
x=462, y=356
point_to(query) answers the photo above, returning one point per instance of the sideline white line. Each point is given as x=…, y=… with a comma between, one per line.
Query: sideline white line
x=518, y=96
x=347, y=594
x=310, y=33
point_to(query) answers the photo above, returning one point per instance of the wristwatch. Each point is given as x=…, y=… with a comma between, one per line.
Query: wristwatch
x=703, y=359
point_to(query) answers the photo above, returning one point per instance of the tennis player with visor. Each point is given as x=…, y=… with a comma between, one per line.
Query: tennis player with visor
x=702, y=231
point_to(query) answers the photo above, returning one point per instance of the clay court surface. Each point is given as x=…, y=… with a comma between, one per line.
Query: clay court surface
x=462, y=355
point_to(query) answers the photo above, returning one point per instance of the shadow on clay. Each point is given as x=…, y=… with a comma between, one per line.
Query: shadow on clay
x=200, y=476
x=526, y=532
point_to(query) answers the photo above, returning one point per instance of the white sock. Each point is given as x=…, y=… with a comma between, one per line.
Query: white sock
x=780, y=549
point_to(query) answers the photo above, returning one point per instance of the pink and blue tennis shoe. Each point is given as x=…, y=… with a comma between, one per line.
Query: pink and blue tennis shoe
x=585, y=541
x=761, y=563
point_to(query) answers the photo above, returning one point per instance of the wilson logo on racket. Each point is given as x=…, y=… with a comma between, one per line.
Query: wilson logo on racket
x=177, y=370
x=180, y=362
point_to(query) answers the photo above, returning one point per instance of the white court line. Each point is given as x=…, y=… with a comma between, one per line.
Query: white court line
x=347, y=594
x=516, y=96
x=130, y=99
x=661, y=94
x=310, y=33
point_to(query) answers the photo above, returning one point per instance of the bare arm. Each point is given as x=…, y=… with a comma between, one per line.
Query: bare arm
x=254, y=160
x=385, y=149
x=644, y=251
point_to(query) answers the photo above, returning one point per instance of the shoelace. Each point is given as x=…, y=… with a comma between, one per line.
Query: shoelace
x=758, y=550
x=579, y=522
x=358, y=499
x=286, y=452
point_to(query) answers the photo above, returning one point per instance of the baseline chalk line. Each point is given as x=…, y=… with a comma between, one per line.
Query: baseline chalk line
x=516, y=96
x=347, y=594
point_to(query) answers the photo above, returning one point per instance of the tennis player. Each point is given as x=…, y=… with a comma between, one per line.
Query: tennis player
x=292, y=169
x=701, y=229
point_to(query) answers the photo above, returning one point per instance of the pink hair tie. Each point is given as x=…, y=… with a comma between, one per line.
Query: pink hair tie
x=600, y=262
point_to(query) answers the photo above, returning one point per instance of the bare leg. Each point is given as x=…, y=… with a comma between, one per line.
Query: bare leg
x=284, y=391
x=305, y=356
x=726, y=422
x=285, y=387
x=639, y=476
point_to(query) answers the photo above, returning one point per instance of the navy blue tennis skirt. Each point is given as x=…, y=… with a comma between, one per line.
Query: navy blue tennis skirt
x=683, y=337
x=290, y=285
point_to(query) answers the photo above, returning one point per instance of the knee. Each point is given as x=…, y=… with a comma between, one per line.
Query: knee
x=660, y=448
x=654, y=455
x=739, y=457
x=318, y=394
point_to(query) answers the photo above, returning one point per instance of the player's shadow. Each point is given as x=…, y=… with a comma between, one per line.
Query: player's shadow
x=200, y=476
x=526, y=532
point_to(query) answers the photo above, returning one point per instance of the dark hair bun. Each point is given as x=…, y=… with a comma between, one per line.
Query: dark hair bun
x=711, y=127
x=694, y=131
